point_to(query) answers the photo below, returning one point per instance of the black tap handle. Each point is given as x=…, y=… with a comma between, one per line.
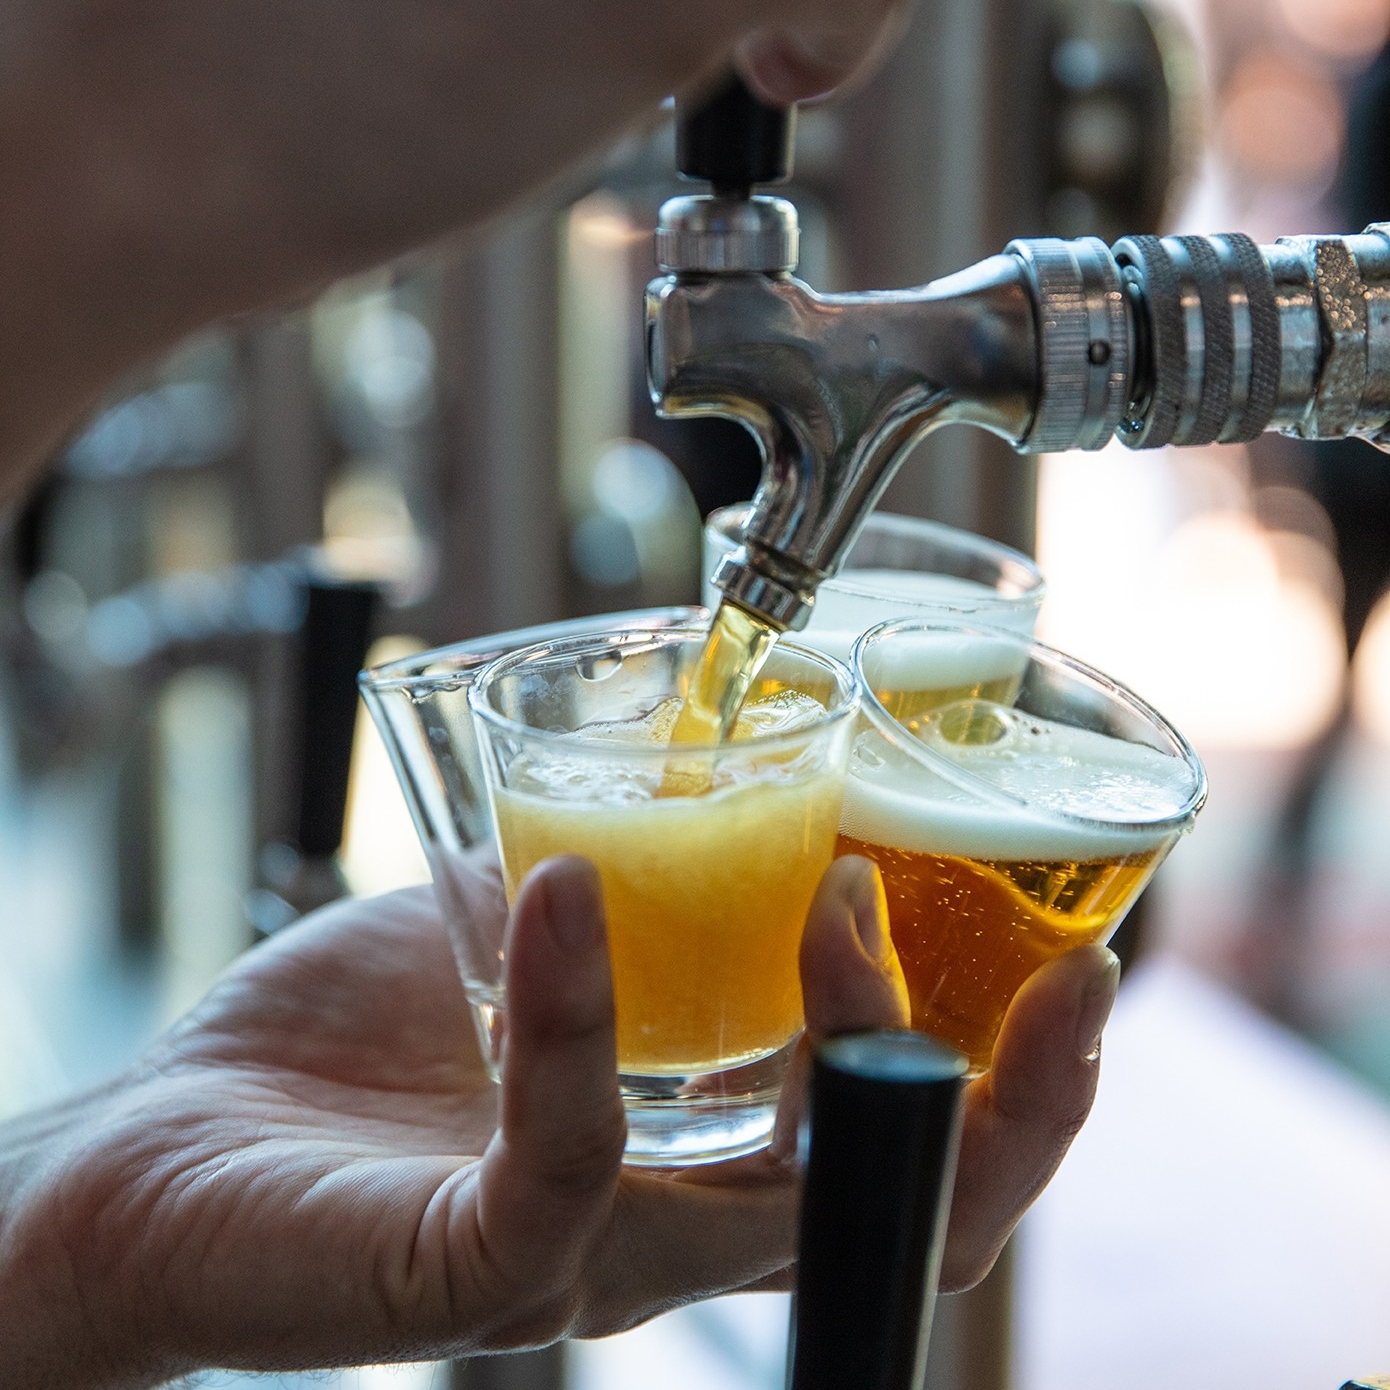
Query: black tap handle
x=334, y=639
x=885, y=1129
x=732, y=140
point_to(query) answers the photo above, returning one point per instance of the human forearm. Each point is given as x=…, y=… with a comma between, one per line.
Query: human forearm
x=162, y=166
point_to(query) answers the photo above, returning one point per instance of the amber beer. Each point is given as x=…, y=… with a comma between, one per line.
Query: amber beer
x=1005, y=837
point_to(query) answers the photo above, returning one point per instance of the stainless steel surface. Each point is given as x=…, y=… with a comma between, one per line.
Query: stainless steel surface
x=836, y=388
x=1085, y=343
x=724, y=234
x=1053, y=345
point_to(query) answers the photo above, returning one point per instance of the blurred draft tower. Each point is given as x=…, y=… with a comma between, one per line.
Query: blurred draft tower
x=470, y=441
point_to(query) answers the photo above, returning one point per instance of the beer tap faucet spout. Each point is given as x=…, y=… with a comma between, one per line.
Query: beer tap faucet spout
x=836, y=388
x=1054, y=345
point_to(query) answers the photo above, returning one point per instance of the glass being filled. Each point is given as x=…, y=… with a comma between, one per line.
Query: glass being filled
x=708, y=858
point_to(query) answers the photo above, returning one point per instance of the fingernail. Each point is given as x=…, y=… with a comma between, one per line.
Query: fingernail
x=573, y=903
x=1096, y=1003
x=871, y=914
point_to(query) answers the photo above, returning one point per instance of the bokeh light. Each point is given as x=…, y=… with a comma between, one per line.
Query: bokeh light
x=1282, y=122
x=1343, y=29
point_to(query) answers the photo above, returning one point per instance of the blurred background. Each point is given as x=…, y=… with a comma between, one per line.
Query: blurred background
x=465, y=445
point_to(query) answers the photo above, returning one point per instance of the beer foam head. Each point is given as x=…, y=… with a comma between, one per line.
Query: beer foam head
x=941, y=659
x=1031, y=789
x=592, y=763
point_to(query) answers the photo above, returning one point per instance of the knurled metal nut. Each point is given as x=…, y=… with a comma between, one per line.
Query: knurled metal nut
x=727, y=234
x=725, y=250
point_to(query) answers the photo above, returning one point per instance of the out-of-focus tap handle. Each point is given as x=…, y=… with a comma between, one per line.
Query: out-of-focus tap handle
x=731, y=140
x=885, y=1129
x=337, y=629
x=303, y=874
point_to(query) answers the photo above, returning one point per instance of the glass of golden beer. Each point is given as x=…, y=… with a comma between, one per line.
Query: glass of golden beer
x=420, y=707
x=709, y=857
x=902, y=567
x=1016, y=802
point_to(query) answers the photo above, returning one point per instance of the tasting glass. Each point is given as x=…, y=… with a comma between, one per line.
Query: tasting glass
x=709, y=856
x=901, y=567
x=1016, y=801
x=420, y=707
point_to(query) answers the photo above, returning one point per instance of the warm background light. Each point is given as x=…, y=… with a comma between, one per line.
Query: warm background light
x=1224, y=625
x=1346, y=29
x=1281, y=121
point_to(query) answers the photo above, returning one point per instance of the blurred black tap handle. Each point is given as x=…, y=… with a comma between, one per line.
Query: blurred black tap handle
x=884, y=1135
x=337, y=629
x=731, y=140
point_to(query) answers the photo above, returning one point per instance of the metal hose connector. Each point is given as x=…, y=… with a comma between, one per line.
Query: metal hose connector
x=1217, y=339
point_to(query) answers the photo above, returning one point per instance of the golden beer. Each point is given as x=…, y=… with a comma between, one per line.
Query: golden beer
x=969, y=932
x=706, y=894
x=1039, y=843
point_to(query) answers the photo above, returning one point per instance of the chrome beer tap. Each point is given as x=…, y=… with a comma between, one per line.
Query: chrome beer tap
x=1053, y=344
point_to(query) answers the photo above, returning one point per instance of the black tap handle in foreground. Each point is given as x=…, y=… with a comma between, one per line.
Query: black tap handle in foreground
x=732, y=140
x=885, y=1130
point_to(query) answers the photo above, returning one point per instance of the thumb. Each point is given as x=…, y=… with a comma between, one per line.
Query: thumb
x=550, y=1175
x=850, y=978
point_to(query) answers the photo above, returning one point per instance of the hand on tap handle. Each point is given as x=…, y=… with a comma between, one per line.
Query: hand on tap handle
x=165, y=165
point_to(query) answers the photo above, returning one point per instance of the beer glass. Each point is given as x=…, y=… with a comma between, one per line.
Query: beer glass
x=902, y=567
x=1016, y=802
x=709, y=857
x=420, y=707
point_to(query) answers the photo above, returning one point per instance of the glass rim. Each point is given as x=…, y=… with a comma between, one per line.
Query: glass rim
x=409, y=671
x=846, y=684
x=723, y=521
x=903, y=740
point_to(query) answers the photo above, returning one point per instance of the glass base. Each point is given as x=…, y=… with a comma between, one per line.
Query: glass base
x=681, y=1121
x=672, y=1121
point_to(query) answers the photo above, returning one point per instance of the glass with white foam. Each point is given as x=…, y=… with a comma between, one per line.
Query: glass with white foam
x=1016, y=801
x=902, y=567
x=708, y=855
x=420, y=707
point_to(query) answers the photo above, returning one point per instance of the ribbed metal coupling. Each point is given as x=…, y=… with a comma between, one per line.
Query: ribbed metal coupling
x=1334, y=300
x=1085, y=343
x=724, y=235
x=1208, y=321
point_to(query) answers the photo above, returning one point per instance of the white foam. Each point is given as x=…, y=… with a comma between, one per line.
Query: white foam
x=590, y=765
x=942, y=660
x=1060, y=773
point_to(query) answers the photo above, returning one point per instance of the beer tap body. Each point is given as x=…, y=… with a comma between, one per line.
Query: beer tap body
x=1053, y=345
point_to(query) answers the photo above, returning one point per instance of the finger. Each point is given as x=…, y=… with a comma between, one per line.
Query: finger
x=784, y=66
x=1021, y=1117
x=850, y=977
x=549, y=1177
